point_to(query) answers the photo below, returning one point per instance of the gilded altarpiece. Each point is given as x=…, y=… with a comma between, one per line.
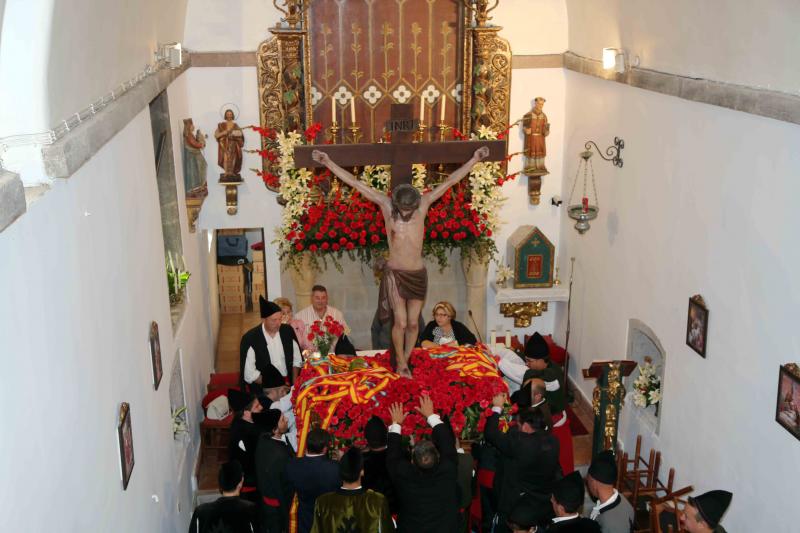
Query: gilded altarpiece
x=380, y=52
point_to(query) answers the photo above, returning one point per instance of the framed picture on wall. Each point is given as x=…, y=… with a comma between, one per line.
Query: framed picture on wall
x=697, y=325
x=787, y=411
x=155, y=354
x=125, y=434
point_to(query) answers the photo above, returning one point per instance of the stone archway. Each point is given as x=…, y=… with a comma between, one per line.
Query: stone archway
x=642, y=343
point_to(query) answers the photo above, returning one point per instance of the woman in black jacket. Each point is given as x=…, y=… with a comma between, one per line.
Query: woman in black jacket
x=444, y=329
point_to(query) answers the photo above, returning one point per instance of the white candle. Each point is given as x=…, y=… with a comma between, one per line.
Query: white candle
x=333, y=111
x=508, y=338
x=353, y=110
x=443, y=106
x=492, y=338
x=422, y=110
x=171, y=264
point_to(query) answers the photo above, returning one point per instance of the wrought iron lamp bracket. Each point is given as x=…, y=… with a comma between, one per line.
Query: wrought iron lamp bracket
x=614, y=152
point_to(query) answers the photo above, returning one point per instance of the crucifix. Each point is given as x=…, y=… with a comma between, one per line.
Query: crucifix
x=405, y=281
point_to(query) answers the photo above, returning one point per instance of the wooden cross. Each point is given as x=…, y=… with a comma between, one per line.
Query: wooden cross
x=401, y=153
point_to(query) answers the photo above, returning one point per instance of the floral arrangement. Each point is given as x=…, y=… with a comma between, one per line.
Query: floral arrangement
x=647, y=387
x=504, y=273
x=343, y=222
x=179, y=426
x=176, y=280
x=460, y=381
x=322, y=333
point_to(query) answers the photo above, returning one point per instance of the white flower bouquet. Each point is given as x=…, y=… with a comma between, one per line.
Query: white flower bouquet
x=647, y=387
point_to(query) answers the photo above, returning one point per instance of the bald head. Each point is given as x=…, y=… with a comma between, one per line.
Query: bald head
x=537, y=390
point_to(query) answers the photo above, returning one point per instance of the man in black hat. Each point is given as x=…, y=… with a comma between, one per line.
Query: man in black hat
x=537, y=359
x=228, y=513
x=376, y=474
x=277, y=395
x=701, y=514
x=269, y=343
x=529, y=459
x=273, y=453
x=244, y=438
x=613, y=512
x=567, y=500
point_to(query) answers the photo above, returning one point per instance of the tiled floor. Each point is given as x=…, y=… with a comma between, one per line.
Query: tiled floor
x=233, y=326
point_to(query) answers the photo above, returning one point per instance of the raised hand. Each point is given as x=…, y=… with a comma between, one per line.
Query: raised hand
x=499, y=399
x=425, y=406
x=482, y=153
x=397, y=414
x=320, y=157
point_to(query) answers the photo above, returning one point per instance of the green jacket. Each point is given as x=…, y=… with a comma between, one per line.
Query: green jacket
x=352, y=511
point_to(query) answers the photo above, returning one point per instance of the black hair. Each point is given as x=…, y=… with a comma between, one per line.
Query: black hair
x=351, y=464
x=535, y=418
x=319, y=288
x=425, y=455
x=230, y=475
x=318, y=439
x=375, y=432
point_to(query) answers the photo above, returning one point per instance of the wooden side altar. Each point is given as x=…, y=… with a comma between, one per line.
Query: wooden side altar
x=607, y=400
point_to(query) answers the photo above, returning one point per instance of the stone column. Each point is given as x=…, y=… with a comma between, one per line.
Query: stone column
x=303, y=279
x=475, y=273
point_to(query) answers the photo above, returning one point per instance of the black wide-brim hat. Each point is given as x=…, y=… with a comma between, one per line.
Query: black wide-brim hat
x=712, y=505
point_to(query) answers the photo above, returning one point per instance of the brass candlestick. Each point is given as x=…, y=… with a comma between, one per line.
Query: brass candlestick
x=355, y=134
x=421, y=132
x=443, y=131
x=333, y=133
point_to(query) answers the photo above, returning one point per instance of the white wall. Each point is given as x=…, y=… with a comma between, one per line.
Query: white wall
x=533, y=26
x=59, y=56
x=82, y=277
x=699, y=207
x=715, y=39
x=213, y=25
x=96, y=45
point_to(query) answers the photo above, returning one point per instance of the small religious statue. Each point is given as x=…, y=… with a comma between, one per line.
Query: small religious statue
x=536, y=128
x=231, y=142
x=405, y=280
x=194, y=162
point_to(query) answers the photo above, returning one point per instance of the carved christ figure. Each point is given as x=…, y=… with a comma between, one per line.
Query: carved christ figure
x=405, y=279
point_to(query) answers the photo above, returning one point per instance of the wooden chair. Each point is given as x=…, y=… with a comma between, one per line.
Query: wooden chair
x=637, y=480
x=223, y=380
x=214, y=434
x=668, y=502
